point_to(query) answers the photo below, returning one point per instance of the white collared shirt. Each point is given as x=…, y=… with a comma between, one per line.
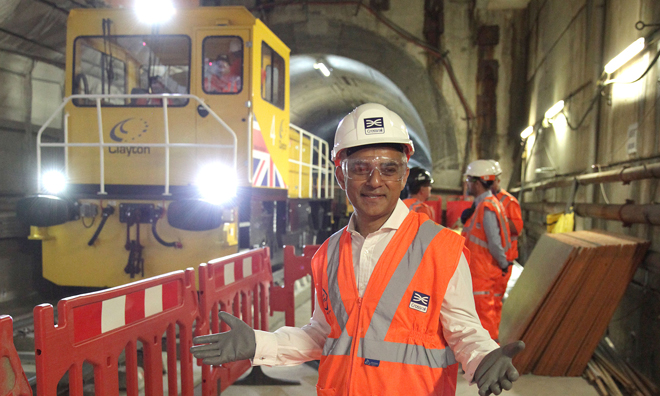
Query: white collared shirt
x=462, y=329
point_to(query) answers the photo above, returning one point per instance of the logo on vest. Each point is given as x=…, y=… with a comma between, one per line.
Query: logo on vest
x=419, y=302
x=371, y=362
x=325, y=300
x=373, y=126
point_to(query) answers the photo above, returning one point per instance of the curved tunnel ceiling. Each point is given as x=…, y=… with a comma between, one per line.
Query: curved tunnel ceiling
x=318, y=102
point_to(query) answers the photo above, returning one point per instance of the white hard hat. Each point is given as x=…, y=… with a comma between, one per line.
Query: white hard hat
x=371, y=123
x=498, y=168
x=483, y=169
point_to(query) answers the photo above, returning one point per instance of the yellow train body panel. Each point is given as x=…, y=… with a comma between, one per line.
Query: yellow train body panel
x=270, y=132
x=71, y=262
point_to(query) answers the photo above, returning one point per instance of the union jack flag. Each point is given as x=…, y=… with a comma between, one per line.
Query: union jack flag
x=264, y=170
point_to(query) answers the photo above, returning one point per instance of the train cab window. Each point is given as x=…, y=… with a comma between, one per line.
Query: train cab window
x=149, y=64
x=106, y=76
x=222, y=71
x=272, y=76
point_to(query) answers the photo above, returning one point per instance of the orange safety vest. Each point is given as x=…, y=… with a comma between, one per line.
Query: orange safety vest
x=513, y=213
x=483, y=264
x=390, y=341
x=420, y=207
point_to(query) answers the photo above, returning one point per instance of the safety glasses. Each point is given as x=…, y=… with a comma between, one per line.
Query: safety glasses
x=361, y=169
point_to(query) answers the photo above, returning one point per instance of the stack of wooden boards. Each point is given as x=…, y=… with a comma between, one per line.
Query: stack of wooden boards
x=565, y=297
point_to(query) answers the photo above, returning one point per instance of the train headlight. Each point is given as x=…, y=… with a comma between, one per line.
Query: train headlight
x=154, y=11
x=54, y=182
x=216, y=183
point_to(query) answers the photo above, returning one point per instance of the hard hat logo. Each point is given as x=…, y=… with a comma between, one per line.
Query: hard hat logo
x=373, y=126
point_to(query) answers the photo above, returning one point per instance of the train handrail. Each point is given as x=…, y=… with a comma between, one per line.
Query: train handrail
x=101, y=144
x=323, y=158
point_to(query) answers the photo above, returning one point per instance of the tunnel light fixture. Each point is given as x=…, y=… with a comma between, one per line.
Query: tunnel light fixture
x=554, y=110
x=527, y=132
x=320, y=66
x=625, y=55
x=154, y=11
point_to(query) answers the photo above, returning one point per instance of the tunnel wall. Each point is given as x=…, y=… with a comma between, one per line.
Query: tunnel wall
x=31, y=91
x=567, y=45
x=352, y=32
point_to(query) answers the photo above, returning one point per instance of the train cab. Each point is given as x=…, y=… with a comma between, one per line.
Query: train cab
x=172, y=132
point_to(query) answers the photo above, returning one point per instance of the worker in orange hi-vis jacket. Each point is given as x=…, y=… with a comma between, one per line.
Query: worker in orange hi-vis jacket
x=514, y=217
x=486, y=233
x=393, y=310
x=419, y=189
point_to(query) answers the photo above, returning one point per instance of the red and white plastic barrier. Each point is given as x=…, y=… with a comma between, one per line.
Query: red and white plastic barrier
x=13, y=381
x=455, y=209
x=97, y=327
x=238, y=284
x=282, y=298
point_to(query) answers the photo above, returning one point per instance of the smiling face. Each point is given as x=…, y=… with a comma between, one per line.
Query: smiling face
x=373, y=199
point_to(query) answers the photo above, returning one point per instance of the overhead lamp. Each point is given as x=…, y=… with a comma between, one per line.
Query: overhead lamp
x=527, y=132
x=154, y=11
x=320, y=66
x=625, y=55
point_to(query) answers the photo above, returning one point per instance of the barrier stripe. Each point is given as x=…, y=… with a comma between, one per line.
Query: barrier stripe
x=97, y=318
x=234, y=271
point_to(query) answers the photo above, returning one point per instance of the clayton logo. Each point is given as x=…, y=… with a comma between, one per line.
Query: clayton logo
x=127, y=131
x=419, y=301
x=373, y=126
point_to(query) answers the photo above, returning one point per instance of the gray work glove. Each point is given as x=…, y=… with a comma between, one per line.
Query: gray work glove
x=236, y=344
x=496, y=372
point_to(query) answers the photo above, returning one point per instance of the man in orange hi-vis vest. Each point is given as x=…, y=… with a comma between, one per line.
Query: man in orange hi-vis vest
x=486, y=233
x=514, y=218
x=419, y=189
x=394, y=303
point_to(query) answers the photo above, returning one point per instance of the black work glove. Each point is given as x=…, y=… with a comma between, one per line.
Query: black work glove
x=239, y=343
x=467, y=213
x=496, y=372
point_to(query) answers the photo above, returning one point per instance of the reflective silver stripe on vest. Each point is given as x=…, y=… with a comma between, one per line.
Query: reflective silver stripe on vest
x=334, y=294
x=514, y=238
x=477, y=241
x=405, y=353
x=479, y=293
x=373, y=345
x=338, y=346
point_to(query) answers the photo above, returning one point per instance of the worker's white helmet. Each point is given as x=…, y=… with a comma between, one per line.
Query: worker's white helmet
x=371, y=123
x=498, y=168
x=483, y=169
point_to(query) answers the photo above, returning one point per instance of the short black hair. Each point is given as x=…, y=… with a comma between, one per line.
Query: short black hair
x=414, y=189
x=352, y=150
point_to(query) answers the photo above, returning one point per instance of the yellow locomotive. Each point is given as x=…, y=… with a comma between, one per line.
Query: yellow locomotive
x=177, y=147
